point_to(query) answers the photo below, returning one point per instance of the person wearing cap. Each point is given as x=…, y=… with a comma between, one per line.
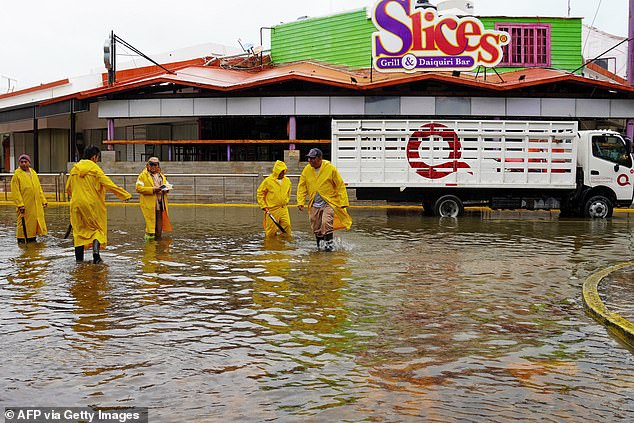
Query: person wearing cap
x=273, y=195
x=153, y=187
x=86, y=187
x=29, y=200
x=321, y=183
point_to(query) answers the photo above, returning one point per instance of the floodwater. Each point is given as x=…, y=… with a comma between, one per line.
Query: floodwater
x=412, y=318
x=617, y=292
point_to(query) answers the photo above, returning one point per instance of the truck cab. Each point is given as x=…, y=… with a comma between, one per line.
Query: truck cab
x=608, y=172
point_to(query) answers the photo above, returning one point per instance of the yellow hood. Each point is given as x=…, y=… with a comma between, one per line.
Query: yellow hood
x=85, y=167
x=278, y=168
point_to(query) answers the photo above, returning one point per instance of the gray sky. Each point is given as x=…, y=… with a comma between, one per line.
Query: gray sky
x=47, y=40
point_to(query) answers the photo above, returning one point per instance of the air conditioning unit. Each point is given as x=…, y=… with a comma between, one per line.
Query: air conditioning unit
x=456, y=7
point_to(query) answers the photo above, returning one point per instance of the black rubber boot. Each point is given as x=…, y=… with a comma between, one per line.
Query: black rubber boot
x=96, y=258
x=79, y=253
x=329, y=244
x=319, y=241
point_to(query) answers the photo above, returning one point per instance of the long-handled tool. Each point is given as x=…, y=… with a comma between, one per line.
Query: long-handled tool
x=276, y=222
x=26, y=239
x=70, y=228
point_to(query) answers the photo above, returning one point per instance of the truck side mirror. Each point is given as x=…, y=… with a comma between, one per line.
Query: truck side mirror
x=616, y=167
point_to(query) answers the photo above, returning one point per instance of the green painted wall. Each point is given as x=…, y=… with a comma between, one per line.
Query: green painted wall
x=345, y=39
x=565, y=39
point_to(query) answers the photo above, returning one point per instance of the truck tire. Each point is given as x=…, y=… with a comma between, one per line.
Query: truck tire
x=598, y=207
x=448, y=206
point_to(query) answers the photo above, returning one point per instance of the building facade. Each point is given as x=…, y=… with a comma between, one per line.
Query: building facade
x=254, y=107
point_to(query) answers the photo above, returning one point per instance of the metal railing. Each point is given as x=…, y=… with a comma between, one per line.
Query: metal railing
x=53, y=185
x=201, y=188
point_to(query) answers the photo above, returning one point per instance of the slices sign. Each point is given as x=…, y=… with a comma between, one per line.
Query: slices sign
x=410, y=39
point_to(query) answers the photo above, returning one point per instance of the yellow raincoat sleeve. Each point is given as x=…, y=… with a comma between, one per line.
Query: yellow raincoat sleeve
x=144, y=183
x=302, y=187
x=102, y=181
x=340, y=188
x=261, y=194
x=289, y=187
x=107, y=183
x=16, y=192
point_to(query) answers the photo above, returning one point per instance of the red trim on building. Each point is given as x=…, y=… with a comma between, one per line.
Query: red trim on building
x=222, y=80
x=35, y=89
x=602, y=71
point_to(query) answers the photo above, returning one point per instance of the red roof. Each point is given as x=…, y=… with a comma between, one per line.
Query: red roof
x=193, y=73
x=36, y=88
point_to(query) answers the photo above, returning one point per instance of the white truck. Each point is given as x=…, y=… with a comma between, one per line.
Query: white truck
x=445, y=164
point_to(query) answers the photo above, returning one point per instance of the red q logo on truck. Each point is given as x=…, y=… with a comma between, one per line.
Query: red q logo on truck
x=623, y=180
x=423, y=140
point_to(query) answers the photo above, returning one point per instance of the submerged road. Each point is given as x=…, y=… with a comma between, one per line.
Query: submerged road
x=412, y=318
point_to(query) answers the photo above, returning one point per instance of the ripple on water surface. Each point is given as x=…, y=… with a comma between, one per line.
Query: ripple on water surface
x=410, y=318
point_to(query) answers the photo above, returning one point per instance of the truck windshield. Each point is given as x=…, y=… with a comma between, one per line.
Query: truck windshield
x=611, y=148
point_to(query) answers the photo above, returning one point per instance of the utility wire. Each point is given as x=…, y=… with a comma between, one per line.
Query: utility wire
x=131, y=55
x=599, y=56
x=140, y=53
x=583, y=50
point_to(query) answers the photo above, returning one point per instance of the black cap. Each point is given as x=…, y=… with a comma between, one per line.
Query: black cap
x=314, y=152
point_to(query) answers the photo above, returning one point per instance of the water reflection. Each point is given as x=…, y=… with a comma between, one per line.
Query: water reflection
x=90, y=289
x=309, y=303
x=155, y=253
x=412, y=318
x=30, y=273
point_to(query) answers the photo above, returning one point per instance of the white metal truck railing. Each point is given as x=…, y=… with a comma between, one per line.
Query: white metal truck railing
x=466, y=153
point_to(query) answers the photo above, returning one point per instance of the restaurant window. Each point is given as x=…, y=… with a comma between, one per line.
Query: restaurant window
x=529, y=45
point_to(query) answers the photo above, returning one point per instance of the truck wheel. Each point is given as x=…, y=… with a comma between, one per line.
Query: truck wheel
x=598, y=207
x=448, y=206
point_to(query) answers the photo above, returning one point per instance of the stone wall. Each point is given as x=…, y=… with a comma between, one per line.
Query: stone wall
x=228, y=182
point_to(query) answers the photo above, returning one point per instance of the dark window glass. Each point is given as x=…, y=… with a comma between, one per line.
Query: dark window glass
x=611, y=148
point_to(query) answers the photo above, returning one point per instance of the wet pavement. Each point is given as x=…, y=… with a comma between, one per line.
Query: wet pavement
x=475, y=319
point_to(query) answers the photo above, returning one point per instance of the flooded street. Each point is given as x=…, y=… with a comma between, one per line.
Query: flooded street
x=412, y=318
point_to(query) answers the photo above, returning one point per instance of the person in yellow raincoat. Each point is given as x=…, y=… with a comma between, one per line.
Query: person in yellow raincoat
x=86, y=187
x=273, y=196
x=152, y=187
x=327, y=198
x=30, y=201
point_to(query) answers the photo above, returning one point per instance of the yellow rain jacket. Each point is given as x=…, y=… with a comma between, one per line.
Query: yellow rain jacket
x=275, y=196
x=87, y=185
x=27, y=192
x=330, y=186
x=147, y=199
